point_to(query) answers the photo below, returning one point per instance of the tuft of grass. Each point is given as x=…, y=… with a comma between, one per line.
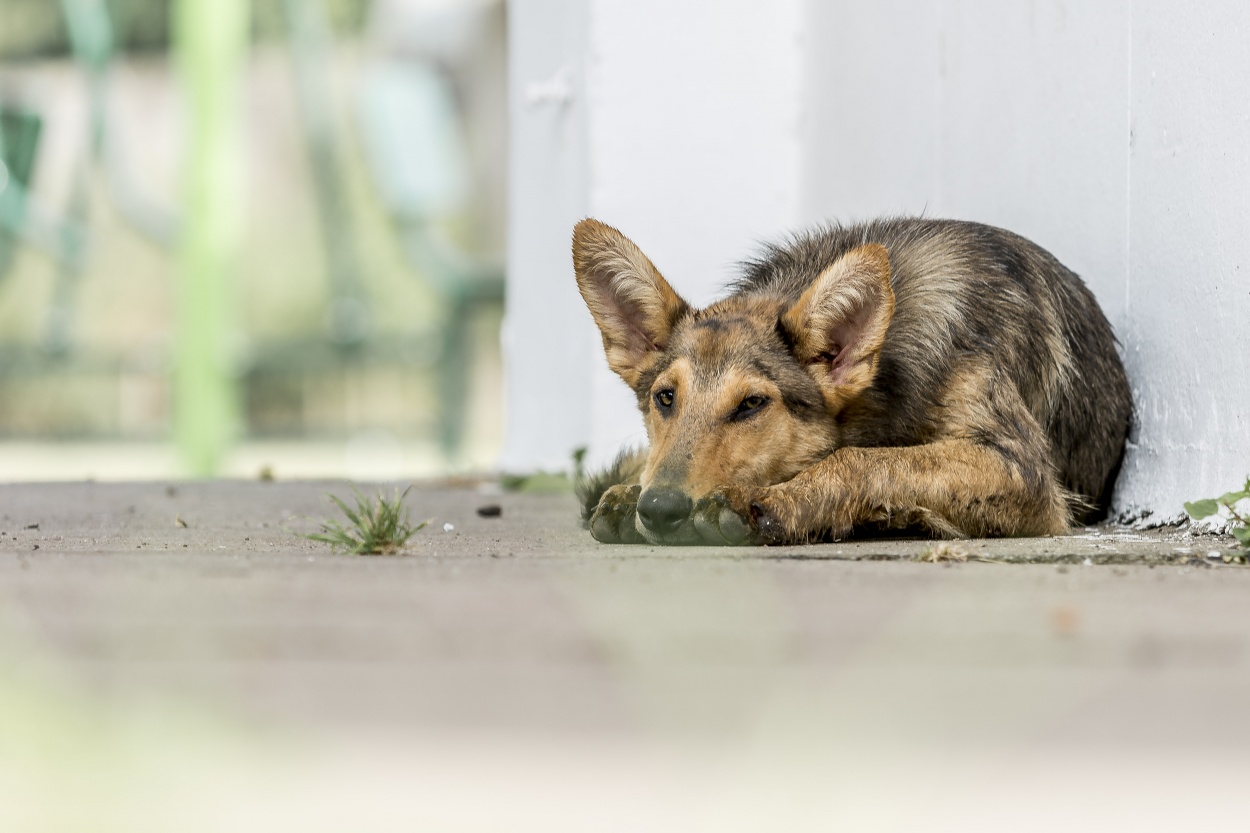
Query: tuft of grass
x=1225, y=506
x=944, y=551
x=376, y=525
x=947, y=552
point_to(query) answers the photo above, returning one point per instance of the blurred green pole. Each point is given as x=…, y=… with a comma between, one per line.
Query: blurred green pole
x=211, y=38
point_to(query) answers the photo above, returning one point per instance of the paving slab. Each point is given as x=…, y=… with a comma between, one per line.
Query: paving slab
x=174, y=656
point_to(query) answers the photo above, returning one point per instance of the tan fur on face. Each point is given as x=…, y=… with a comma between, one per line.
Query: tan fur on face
x=698, y=447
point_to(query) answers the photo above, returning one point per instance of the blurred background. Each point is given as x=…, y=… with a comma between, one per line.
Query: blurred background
x=250, y=237
x=256, y=238
x=268, y=236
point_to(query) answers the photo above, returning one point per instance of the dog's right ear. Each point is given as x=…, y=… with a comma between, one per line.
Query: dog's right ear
x=631, y=302
x=838, y=326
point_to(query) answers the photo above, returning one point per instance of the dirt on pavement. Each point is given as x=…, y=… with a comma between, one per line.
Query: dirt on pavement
x=174, y=656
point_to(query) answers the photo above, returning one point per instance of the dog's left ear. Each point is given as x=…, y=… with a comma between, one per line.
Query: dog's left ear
x=631, y=302
x=838, y=326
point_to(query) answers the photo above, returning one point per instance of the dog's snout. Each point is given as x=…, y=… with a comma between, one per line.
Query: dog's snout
x=663, y=510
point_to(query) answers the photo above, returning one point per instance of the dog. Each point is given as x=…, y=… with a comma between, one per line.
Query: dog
x=940, y=377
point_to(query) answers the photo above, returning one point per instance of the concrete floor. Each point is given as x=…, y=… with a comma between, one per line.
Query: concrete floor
x=512, y=674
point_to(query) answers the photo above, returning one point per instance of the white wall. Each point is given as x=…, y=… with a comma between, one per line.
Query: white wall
x=547, y=368
x=693, y=149
x=1010, y=113
x=690, y=118
x=1113, y=133
x=1188, y=298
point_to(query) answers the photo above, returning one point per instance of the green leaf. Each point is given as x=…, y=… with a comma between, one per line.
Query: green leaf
x=1242, y=534
x=1232, y=497
x=351, y=516
x=1200, y=509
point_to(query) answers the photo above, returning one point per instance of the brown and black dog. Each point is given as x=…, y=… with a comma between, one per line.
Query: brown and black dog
x=943, y=376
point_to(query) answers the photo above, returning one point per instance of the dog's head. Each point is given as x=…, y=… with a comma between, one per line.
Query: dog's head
x=745, y=392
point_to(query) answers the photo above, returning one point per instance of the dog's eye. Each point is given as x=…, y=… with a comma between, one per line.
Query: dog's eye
x=664, y=399
x=749, y=406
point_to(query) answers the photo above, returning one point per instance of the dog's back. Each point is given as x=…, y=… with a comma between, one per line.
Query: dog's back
x=971, y=294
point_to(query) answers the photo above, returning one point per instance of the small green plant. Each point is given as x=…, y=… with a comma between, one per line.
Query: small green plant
x=1240, y=523
x=546, y=481
x=377, y=526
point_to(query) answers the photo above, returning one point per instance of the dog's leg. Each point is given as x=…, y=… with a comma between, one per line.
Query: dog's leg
x=991, y=475
x=610, y=499
x=614, y=520
x=953, y=488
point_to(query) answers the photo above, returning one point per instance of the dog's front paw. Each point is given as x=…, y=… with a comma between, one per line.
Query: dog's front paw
x=723, y=518
x=615, y=518
x=736, y=516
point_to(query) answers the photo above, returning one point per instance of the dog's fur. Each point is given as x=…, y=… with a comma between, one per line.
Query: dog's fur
x=936, y=375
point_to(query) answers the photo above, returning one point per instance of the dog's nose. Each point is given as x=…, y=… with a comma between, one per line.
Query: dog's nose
x=663, y=510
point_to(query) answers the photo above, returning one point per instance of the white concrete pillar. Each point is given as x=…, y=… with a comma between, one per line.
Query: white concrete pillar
x=691, y=115
x=545, y=333
x=1187, y=338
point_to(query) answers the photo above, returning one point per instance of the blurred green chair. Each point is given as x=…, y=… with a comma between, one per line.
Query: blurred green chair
x=62, y=233
x=19, y=138
x=24, y=221
x=414, y=147
x=411, y=132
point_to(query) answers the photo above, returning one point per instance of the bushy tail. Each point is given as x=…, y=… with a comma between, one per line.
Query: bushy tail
x=626, y=468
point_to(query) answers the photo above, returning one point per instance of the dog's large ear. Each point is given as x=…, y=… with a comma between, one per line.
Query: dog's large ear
x=631, y=302
x=838, y=326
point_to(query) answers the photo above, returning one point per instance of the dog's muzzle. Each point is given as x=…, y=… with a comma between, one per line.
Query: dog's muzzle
x=663, y=511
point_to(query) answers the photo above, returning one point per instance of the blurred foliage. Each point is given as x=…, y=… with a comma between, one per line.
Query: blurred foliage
x=547, y=481
x=541, y=482
x=36, y=28
x=1225, y=508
